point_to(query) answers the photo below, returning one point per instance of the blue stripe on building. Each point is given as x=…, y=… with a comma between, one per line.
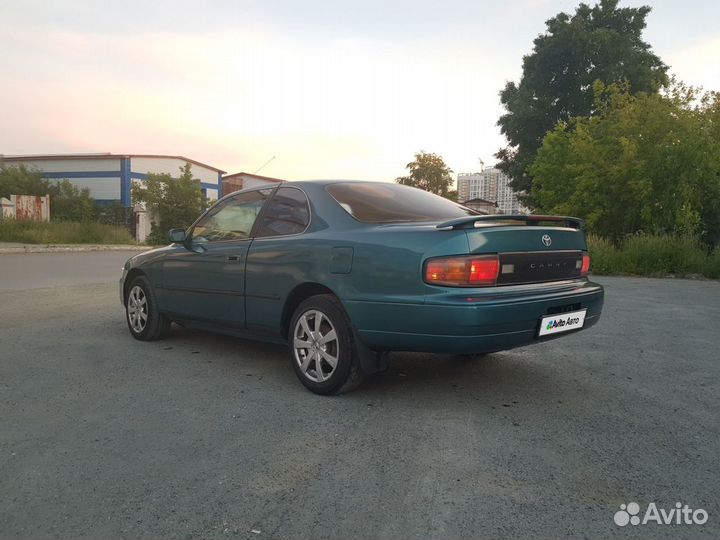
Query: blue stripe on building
x=125, y=182
x=125, y=175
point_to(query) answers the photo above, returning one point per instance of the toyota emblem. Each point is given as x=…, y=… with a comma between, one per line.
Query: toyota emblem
x=546, y=240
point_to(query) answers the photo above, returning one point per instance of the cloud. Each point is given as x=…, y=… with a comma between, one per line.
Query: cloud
x=697, y=64
x=349, y=107
x=331, y=92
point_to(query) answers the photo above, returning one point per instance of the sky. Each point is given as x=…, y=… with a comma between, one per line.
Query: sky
x=330, y=89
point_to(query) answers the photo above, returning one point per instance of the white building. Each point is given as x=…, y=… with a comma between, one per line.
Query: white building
x=492, y=185
x=109, y=177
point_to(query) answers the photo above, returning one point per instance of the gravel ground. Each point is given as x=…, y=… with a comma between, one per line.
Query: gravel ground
x=203, y=436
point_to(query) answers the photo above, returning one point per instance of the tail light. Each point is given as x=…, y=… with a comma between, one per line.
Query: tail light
x=467, y=271
x=585, y=268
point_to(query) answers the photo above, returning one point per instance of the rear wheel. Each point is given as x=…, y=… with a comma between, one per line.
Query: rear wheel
x=321, y=346
x=144, y=320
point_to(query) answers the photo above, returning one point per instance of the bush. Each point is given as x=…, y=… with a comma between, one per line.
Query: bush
x=62, y=232
x=69, y=203
x=653, y=255
x=712, y=266
x=173, y=202
x=158, y=236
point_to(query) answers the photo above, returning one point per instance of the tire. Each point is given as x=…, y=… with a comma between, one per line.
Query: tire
x=144, y=320
x=312, y=325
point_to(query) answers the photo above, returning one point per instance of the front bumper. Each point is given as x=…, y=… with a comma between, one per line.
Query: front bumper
x=464, y=322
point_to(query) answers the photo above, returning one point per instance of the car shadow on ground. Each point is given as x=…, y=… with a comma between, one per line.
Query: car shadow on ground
x=501, y=379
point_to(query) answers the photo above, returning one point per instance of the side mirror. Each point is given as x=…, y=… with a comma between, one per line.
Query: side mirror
x=177, y=236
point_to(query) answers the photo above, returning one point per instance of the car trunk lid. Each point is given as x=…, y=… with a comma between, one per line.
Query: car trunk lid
x=530, y=251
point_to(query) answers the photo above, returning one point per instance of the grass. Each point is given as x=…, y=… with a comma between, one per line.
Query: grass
x=654, y=256
x=62, y=232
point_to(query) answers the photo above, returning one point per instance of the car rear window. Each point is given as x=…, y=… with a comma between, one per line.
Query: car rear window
x=379, y=202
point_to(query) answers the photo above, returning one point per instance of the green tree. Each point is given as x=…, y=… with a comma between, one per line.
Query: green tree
x=114, y=214
x=67, y=202
x=602, y=43
x=428, y=172
x=173, y=202
x=19, y=180
x=644, y=162
x=70, y=203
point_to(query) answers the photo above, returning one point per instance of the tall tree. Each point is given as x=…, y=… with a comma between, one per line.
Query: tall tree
x=644, y=162
x=428, y=172
x=602, y=43
x=71, y=203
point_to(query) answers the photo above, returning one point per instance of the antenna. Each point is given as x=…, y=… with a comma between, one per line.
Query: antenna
x=264, y=165
x=482, y=164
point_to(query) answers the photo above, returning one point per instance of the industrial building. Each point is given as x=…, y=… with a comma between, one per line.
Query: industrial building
x=109, y=177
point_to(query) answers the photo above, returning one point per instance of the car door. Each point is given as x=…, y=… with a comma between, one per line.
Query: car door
x=204, y=279
x=278, y=259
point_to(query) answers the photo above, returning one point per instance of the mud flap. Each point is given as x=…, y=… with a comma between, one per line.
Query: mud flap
x=370, y=361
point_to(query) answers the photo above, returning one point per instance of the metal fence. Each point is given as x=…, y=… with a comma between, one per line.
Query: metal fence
x=26, y=207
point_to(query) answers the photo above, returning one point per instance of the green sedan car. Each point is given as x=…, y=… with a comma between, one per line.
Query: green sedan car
x=345, y=271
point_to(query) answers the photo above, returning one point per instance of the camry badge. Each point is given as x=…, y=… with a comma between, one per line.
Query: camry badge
x=546, y=240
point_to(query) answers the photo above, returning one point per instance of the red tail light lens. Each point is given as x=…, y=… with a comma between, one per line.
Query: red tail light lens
x=470, y=271
x=585, y=264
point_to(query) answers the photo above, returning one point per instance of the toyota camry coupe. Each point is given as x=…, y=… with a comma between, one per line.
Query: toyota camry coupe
x=345, y=271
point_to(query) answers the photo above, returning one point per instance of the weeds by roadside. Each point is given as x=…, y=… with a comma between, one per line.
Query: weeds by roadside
x=654, y=255
x=62, y=232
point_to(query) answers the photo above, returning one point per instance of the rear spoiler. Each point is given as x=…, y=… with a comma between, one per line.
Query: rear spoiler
x=468, y=222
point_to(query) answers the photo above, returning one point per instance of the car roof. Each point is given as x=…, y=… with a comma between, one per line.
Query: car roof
x=327, y=182
x=311, y=185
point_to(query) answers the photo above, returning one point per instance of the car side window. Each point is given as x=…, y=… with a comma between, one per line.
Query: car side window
x=232, y=219
x=288, y=212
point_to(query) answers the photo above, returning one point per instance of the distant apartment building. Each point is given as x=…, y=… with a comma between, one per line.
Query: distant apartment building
x=490, y=185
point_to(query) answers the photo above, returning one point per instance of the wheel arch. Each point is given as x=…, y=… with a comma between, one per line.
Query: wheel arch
x=296, y=297
x=131, y=275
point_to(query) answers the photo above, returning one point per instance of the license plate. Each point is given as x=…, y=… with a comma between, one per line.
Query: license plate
x=562, y=322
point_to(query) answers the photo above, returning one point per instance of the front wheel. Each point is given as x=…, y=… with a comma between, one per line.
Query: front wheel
x=321, y=346
x=144, y=320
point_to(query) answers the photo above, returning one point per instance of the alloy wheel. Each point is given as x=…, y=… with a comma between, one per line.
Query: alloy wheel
x=137, y=309
x=316, y=347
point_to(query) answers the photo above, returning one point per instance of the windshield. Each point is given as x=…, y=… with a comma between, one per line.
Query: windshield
x=379, y=202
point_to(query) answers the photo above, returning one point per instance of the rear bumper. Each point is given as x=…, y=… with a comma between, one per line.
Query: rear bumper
x=473, y=321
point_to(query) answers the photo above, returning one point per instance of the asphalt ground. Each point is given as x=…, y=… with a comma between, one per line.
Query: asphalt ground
x=205, y=436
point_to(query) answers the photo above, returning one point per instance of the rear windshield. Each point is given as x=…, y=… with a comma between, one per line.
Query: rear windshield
x=379, y=202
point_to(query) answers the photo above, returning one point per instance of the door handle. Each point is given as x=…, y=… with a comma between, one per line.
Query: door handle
x=233, y=258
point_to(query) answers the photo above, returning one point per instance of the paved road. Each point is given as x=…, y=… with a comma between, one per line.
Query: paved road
x=19, y=271
x=200, y=436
